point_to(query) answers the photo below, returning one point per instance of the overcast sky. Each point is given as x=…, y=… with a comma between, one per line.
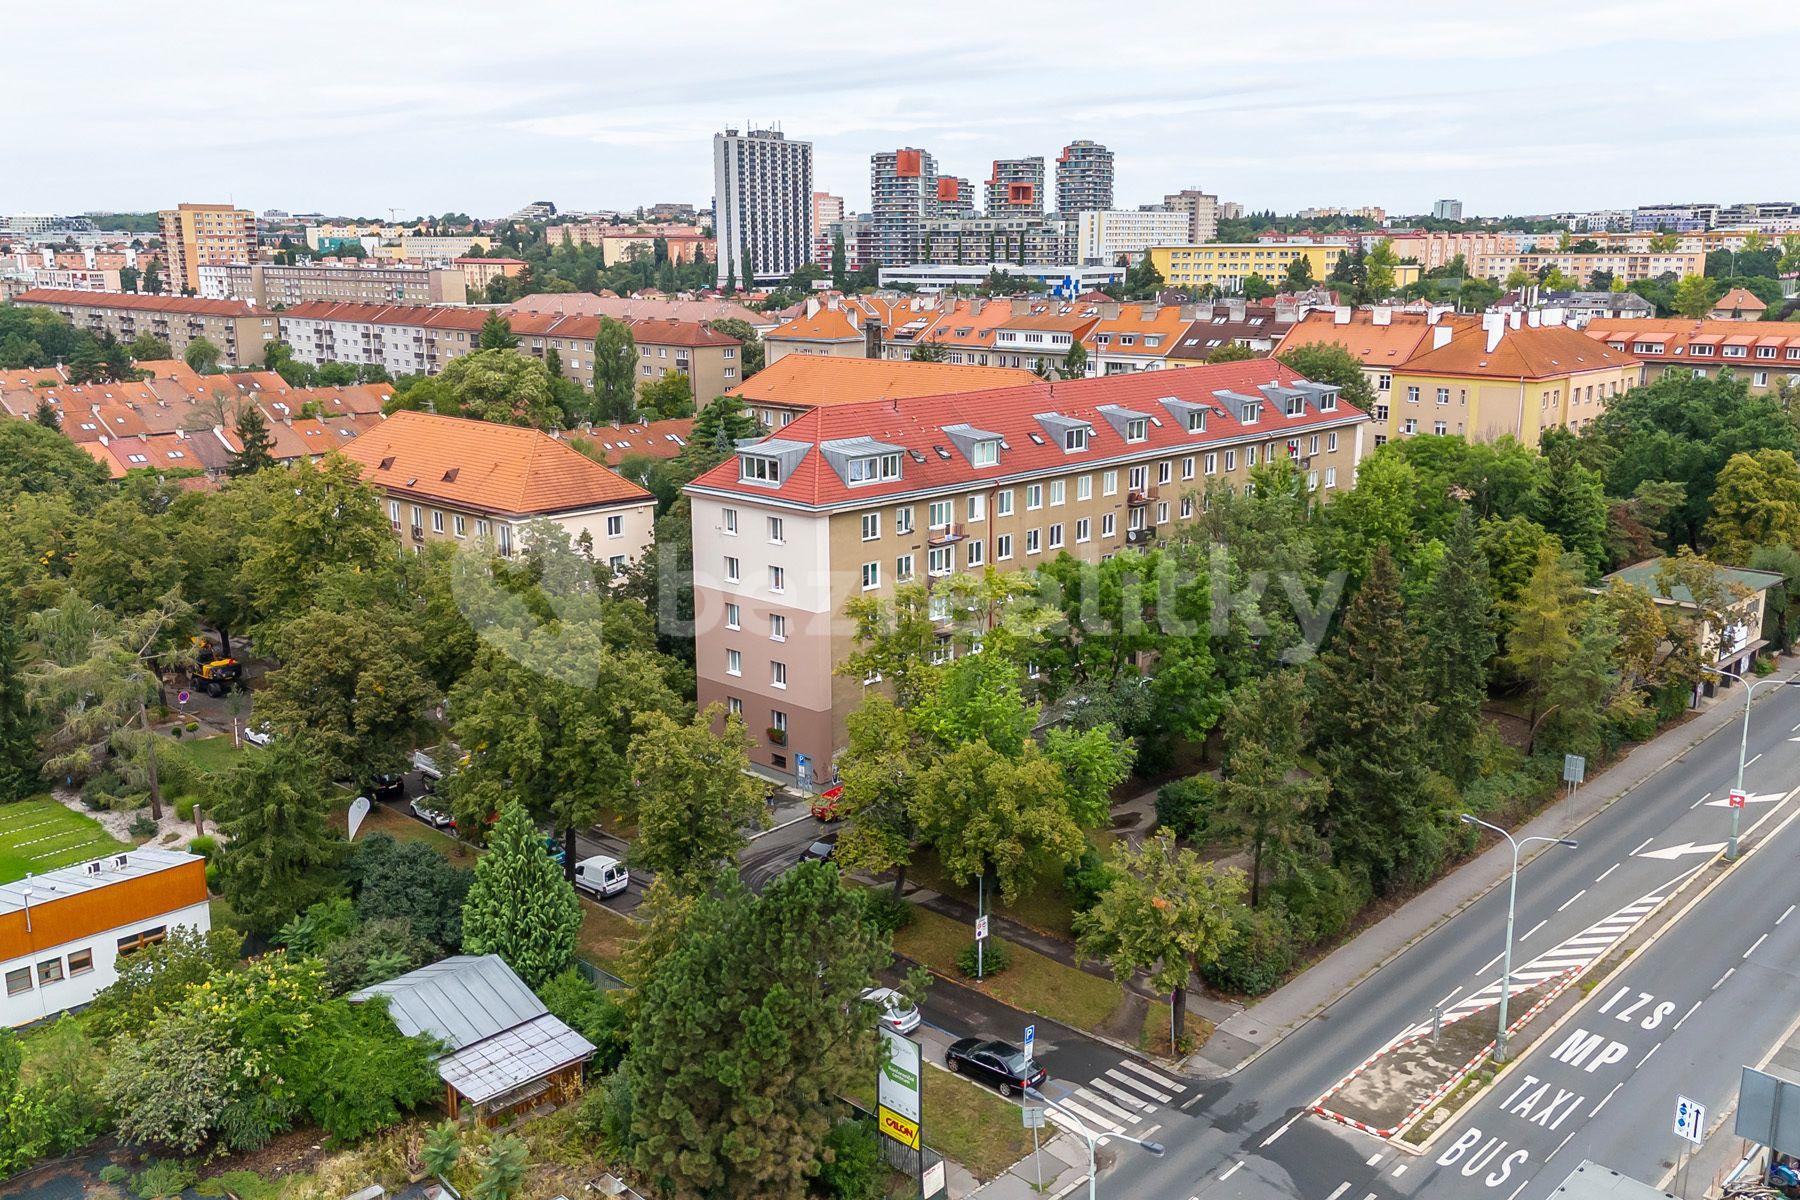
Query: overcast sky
x=1511, y=105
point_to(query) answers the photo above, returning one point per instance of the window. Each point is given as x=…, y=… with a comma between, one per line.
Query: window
x=1440, y=427
x=874, y=468
x=1384, y=381
x=938, y=560
x=1108, y=525
x=903, y=569
x=418, y=516
x=903, y=520
x=1411, y=426
x=1137, y=429
x=1056, y=491
x=729, y=517
x=777, y=627
x=1165, y=471
x=18, y=980
x=1140, y=478
x=1003, y=503
x=437, y=521
x=1187, y=507
x=731, y=569
x=1231, y=460
x=1211, y=464
x=394, y=513
x=1330, y=477
x=615, y=526
x=50, y=971
x=977, y=552
x=1075, y=439
x=733, y=616
x=871, y=576
x=987, y=453
x=734, y=707
x=462, y=525
x=1412, y=395
x=778, y=579
x=1034, y=496
x=1443, y=395
x=81, y=962
x=1330, y=442
x=1082, y=530
x=1084, y=487
x=778, y=674
x=978, y=507
x=1003, y=546
x=1187, y=467
x=756, y=469
x=1109, y=483
x=777, y=530
x=131, y=943
x=734, y=662
x=1196, y=420
x=942, y=511
x=1056, y=536
x=1031, y=541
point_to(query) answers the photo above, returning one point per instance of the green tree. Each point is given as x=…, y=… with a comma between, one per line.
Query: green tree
x=520, y=906
x=1543, y=624
x=499, y=385
x=1299, y=275
x=1074, y=363
x=39, y=461
x=1233, y=351
x=726, y=1100
x=615, y=371
x=497, y=334
x=1695, y=295
x=442, y=1148
x=670, y=396
x=254, y=442
x=202, y=356
x=305, y=522
x=1456, y=628
x=692, y=794
x=1266, y=798
x=1257, y=288
x=502, y=1168
x=996, y=817
x=1381, y=264
x=1167, y=911
x=1755, y=503
x=750, y=348
x=45, y=414
x=1332, y=363
x=932, y=352
x=273, y=808
x=1570, y=503
x=148, y=347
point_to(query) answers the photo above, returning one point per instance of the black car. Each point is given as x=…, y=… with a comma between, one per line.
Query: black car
x=1000, y=1064
x=387, y=787
x=820, y=851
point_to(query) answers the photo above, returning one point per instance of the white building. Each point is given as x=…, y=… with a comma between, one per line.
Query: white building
x=937, y=277
x=1447, y=210
x=1110, y=235
x=64, y=933
x=763, y=200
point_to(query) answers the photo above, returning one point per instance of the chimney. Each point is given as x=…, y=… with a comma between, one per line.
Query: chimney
x=1531, y=318
x=812, y=307
x=1234, y=308
x=1110, y=311
x=1514, y=315
x=1341, y=314
x=1381, y=314
x=1188, y=312
x=1440, y=336
x=1436, y=313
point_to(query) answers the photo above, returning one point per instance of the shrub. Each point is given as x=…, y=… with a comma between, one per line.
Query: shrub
x=886, y=911
x=193, y=726
x=1260, y=956
x=592, y=1013
x=164, y=1177
x=142, y=826
x=113, y=1173
x=995, y=958
x=206, y=845
x=410, y=880
x=851, y=1166
x=176, y=731
x=1322, y=900
x=1186, y=806
x=1085, y=879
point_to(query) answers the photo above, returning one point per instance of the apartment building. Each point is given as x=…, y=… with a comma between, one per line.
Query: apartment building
x=1382, y=339
x=1015, y=187
x=1255, y=327
x=1040, y=335
x=1029, y=241
x=452, y=479
x=1065, y=279
x=902, y=198
x=955, y=200
x=65, y=933
x=240, y=331
x=1447, y=210
x=15, y=279
x=640, y=308
x=1202, y=209
x=827, y=210
x=415, y=339
x=763, y=202
x=354, y=281
x=195, y=235
x=1629, y=266
x=323, y=238
x=1433, y=251
x=1506, y=377
x=1122, y=235
x=858, y=499
x=1225, y=265
x=799, y=383
x=682, y=243
x=1084, y=178
x=841, y=327
x=1135, y=337
x=1766, y=354
x=479, y=272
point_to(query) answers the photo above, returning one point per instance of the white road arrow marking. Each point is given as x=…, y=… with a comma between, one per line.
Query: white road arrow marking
x=1749, y=798
x=1682, y=849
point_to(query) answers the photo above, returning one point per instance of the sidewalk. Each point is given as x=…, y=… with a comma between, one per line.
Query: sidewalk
x=1245, y=1034
x=1062, y=1161
x=1723, y=1150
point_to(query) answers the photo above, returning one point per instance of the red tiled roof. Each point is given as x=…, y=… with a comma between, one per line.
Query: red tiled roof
x=655, y=439
x=1541, y=352
x=810, y=380
x=1675, y=334
x=646, y=331
x=192, y=305
x=917, y=425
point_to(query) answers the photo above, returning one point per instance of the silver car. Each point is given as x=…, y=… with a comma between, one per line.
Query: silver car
x=896, y=1012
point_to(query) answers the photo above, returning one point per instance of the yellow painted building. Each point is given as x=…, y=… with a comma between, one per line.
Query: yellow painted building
x=1226, y=265
x=1499, y=380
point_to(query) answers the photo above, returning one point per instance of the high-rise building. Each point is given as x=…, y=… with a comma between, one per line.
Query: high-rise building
x=1122, y=235
x=1202, y=210
x=1447, y=210
x=197, y=235
x=1016, y=187
x=827, y=210
x=762, y=205
x=1084, y=178
x=902, y=197
x=955, y=198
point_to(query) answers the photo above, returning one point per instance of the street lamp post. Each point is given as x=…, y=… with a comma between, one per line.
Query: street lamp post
x=1512, y=896
x=1750, y=686
x=1093, y=1140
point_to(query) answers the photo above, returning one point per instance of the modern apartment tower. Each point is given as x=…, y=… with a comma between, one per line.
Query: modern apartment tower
x=902, y=197
x=1084, y=178
x=1447, y=210
x=763, y=202
x=955, y=198
x=827, y=210
x=201, y=235
x=1202, y=209
x=1016, y=187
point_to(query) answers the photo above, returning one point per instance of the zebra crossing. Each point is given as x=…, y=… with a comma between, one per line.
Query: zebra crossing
x=1116, y=1101
x=1570, y=956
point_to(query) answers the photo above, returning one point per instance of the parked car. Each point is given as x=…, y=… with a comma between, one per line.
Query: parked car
x=259, y=735
x=430, y=774
x=820, y=851
x=553, y=846
x=1000, y=1064
x=425, y=812
x=824, y=806
x=601, y=876
x=387, y=787
x=896, y=1012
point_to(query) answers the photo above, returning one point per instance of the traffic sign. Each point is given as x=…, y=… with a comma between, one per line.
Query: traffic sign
x=1030, y=1037
x=1574, y=768
x=1737, y=798
x=981, y=928
x=1690, y=1120
x=181, y=697
x=1033, y=1116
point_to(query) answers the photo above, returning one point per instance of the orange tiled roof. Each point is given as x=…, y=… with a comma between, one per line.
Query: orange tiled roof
x=175, y=304
x=1541, y=352
x=506, y=469
x=656, y=439
x=1740, y=298
x=1659, y=339
x=813, y=380
x=1373, y=345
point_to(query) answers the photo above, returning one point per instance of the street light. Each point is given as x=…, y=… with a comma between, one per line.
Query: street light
x=1512, y=896
x=1093, y=1140
x=1750, y=686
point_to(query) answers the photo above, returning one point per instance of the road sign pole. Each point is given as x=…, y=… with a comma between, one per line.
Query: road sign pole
x=981, y=922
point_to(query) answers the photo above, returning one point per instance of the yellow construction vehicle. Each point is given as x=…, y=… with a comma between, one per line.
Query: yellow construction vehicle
x=216, y=674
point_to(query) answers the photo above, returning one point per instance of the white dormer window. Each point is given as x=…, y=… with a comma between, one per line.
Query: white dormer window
x=1196, y=420
x=1137, y=429
x=987, y=453
x=873, y=468
x=1328, y=402
x=1296, y=406
x=1075, y=439
x=756, y=469
x=1251, y=413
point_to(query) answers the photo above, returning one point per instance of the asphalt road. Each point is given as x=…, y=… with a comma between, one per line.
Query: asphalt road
x=1248, y=1135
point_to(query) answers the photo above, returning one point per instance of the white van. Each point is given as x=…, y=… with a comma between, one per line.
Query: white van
x=601, y=876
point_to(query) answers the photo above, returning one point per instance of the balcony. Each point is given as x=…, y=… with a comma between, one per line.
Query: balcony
x=418, y=533
x=1140, y=537
x=944, y=535
x=1139, y=497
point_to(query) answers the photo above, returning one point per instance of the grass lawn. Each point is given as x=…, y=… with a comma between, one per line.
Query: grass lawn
x=1033, y=983
x=967, y=1123
x=1044, y=907
x=40, y=835
x=605, y=936
x=402, y=828
x=211, y=755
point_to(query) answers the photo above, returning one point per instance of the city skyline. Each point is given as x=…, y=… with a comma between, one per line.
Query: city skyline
x=1261, y=110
